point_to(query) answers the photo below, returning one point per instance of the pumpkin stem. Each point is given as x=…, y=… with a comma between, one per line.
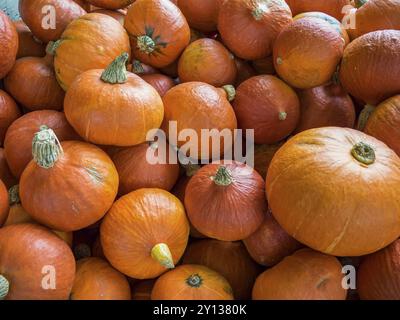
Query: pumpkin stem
x=46, y=149
x=137, y=67
x=13, y=195
x=364, y=116
x=116, y=71
x=279, y=61
x=260, y=11
x=146, y=44
x=4, y=287
x=162, y=255
x=223, y=177
x=363, y=153
x=52, y=47
x=230, y=92
x=282, y=116
x=360, y=3
x=191, y=169
x=194, y=281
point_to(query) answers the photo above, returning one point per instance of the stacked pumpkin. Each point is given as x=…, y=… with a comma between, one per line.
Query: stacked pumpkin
x=84, y=111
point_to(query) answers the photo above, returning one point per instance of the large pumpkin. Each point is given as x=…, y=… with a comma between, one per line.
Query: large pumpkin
x=34, y=264
x=201, y=15
x=330, y=187
x=9, y=112
x=307, y=52
x=118, y=15
x=373, y=56
x=113, y=106
x=5, y=174
x=18, y=140
x=159, y=32
x=111, y=4
x=226, y=201
x=4, y=207
x=145, y=233
x=85, y=174
x=8, y=44
x=335, y=8
x=28, y=45
x=47, y=19
x=229, y=259
x=305, y=275
x=191, y=282
x=90, y=42
x=249, y=28
x=160, y=82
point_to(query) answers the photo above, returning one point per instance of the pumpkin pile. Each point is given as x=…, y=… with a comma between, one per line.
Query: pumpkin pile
x=85, y=214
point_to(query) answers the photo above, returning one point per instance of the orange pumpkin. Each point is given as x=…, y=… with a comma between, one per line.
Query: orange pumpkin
x=191, y=282
x=4, y=207
x=28, y=46
x=267, y=105
x=5, y=174
x=160, y=82
x=142, y=290
x=8, y=44
x=307, y=52
x=145, y=233
x=158, y=30
x=249, y=28
x=335, y=8
x=263, y=154
x=112, y=106
x=111, y=4
x=329, y=187
x=90, y=42
x=116, y=14
x=9, y=112
x=195, y=61
x=229, y=259
x=305, y=275
x=201, y=15
x=75, y=167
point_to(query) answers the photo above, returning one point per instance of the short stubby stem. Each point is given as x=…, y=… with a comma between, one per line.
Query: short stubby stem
x=146, y=44
x=161, y=253
x=46, y=148
x=363, y=153
x=223, y=177
x=4, y=287
x=194, y=281
x=230, y=92
x=116, y=71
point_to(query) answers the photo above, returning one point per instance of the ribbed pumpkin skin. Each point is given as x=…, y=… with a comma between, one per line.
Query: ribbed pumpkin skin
x=28, y=46
x=3, y=203
x=89, y=181
x=325, y=198
x=90, y=42
x=305, y=275
x=25, y=249
x=160, y=82
x=375, y=55
x=8, y=44
x=9, y=112
x=111, y=4
x=378, y=276
x=201, y=15
x=116, y=14
x=173, y=285
x=5, y=174
x=136, y=223
x=332, y=7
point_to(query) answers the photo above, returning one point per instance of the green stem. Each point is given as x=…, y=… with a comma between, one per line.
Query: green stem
x=223, y=177
x=46, y=149
x=360, y=3
x=363, y=153
x=282, y=116
x=52, y=47
x=230, y=92
x=137, y=67
x=13, y=195
x=116, y=71
x=4, y=287
x=259, y=12
x=194, y=281
x=146, y=44
x=161, y=253
x=364, y=116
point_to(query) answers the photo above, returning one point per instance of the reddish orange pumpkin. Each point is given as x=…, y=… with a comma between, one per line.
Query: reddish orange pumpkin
x=305, y=275
x=28, y=46
x=160, y=82
x=335, y=8
x=158, y=30
x=191, y=282
x=263, y=154
x=111, y=4
x=249, y=28
x=267, y=105
x=4, y=207
x=8, y=44
x=116, y=14
x=142, y=290
x=5, y=174
x=201, y=15
x=9, y=112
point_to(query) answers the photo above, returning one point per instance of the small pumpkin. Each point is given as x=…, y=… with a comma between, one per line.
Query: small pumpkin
x=8, y=44
x=160, y=82
x=305, y=275
x=319, y=187
x=47, y=19
x=116, y=14
x=249, y=28
x=113, y=106
x=201, y=15
x=95, y=279
x=28, y=46
x=111, y=4
x=263, y=154
x=75, y=167
x=219, y=195
x=196, y=61
x=264, y=66
x=145, y=233
x=191, y=282
x=158, y=30
x=5, y=174
x=142, y=290
x=229, y=259
x=9, y=112
x=46, y=93
x=307, y=52
x=267, y=105
x=244, y=71
x=29, y=252
x=4, y=207
x=334, y=8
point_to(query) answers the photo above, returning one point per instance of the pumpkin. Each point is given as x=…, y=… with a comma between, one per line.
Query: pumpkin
x=305, y=275
x=28, y=46
x=269, y=244
x=9, y=112
x=201, y=15
x=5, y=174
x=158, y=30
x=160, y=82
x=4, y=207
x=111, y=4
x=213, y=111
x=47, y=19
x=92, y=41
x=146, y=166
x=191, y=282
x=142, y=69
x=45, y=94
x=219, y=195
x=142, y=290
x=267, y=105
x=307, y=52
x=264, y=66
x=34, y=264
x=117, y=15
x=112, y=106
x=378, y=276
x=334, y=8
x=75, y=167
x=196, y=61
x=18, y=140
x=8, y=44
x=229, y=259
x=263, y=154
x=249, y=28
x=95, y=279
x=244, y=71
x=145, y=233
x=329, y=187
x=373, y=56
x=325, y=106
